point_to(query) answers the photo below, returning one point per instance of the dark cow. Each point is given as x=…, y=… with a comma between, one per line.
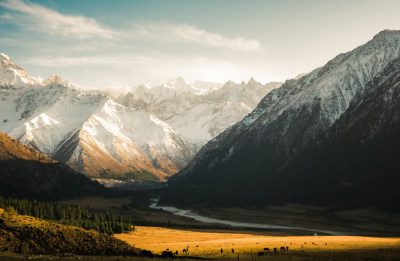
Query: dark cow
x=287, y=248
x=176, y=252
x=266, y=249
x=283, y=248
x=167, y=254
x=275, y=250
x=147, y=253
x=260, y=253
x=233, y=251
x=222, y=251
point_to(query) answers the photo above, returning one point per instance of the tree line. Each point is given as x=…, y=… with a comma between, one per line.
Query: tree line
x=68, y=215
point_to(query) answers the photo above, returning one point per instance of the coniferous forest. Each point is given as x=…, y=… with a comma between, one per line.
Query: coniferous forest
x=105, y=223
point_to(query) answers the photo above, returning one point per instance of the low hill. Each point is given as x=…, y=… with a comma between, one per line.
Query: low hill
x=25, y=234
x=25, y=172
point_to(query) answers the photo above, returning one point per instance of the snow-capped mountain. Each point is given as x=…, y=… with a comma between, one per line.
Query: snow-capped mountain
x=89, y=130
x=249, y=160
x=148, y=133
x=199, y=116
x=148, y=94
x=12, y=74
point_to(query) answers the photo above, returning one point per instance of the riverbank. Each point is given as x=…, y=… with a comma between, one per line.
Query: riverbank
x=237, y=224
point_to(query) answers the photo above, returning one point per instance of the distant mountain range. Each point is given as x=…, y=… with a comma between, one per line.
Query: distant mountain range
x=330, y=137
x=25, y=172
x=148, y=133
x=198, y=114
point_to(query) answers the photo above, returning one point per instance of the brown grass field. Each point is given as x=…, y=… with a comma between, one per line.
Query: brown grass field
x=246, y=245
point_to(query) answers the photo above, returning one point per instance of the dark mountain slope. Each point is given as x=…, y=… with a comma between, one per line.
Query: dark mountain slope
x=24, y=172
x=357, y=161
x=271, y=156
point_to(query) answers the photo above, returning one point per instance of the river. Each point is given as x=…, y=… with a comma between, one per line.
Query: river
x=204, y=219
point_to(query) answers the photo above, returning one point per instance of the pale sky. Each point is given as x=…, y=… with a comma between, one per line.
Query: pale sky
x=122, y=43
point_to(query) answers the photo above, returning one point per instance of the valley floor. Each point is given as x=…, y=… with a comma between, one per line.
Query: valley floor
x=247, y=245
x=368, y=235
x=360, y=222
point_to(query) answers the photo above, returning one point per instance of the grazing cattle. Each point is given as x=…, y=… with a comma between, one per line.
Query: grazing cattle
x=260, y=253
x=167, y=254
x=176, y=252
x=287, y=248
x=275, y=250
x=266, y=249
x=184, y=250
x=283, y=248
x=222, y=251
x=233, y=251
x=147, y=253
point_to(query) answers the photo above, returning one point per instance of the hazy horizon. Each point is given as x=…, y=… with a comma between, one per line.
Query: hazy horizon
x=126, y=43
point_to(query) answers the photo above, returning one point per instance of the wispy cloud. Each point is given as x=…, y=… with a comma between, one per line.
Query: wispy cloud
x=190, y=34
x=39, y=18
x=62, y=61
x=83, y=50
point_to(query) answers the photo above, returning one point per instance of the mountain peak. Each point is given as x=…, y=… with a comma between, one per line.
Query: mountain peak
x=178, y=83
x=5, y=60
x=386, y=33
x=4, y=56
x=252, y=81
x=53, y=79
x=11, y=73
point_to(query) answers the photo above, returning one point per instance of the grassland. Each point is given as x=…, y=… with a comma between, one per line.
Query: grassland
x=209, y=239
x=246, y=245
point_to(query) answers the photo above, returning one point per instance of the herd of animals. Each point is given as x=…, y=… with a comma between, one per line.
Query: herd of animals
x=267, y=250
x=169, y=254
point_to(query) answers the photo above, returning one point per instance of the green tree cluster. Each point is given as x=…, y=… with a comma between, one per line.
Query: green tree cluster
x=68, y=215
